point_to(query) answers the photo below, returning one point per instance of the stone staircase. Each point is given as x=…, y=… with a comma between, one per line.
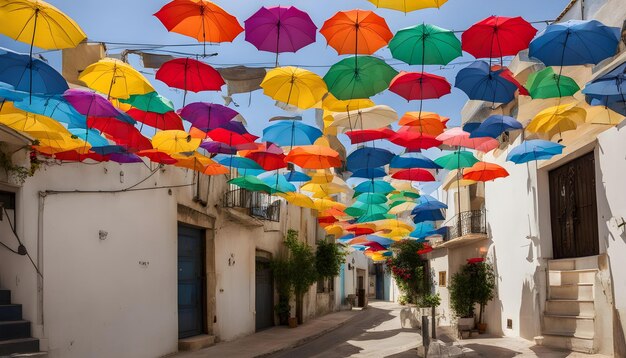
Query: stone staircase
x=569, y=317
x=15, y=338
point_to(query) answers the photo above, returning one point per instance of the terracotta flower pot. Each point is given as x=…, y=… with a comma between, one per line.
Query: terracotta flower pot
x=482, y=327
x=293, y=322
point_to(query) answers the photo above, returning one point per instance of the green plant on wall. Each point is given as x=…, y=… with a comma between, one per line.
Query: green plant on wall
x=280, y=271
x=408, y=270
x=18, y=172
x=475, y=283
x=302, y=270
x=328, y=259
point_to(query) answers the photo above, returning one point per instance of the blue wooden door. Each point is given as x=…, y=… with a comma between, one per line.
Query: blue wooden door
x=264, y=295
x=191, y=282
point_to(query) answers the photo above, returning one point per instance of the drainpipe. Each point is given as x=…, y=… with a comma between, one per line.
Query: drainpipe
x=40, y=292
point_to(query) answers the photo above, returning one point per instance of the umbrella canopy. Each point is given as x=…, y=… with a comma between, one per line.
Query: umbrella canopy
x=295, y=86
x=495, y=125
x=359, y=77
x=314, y=157
x=194, y=161
x=174, y=141
x=613, y=83
x=423, y=230
x=278, y=183
x=457, y=137
x=425, y=44
x=408, y=5
x=239, y=163
x=280, y=29
x=413, y=139
x=290, y=133
x=90, y=136
x=121, y=133
x=535, y=149
x=456, y=160
x=231, y=138
x=115, y=78
x=356, y=32
x=413, y=160
x=368, y=158
x=331, y=103
x=29, y=74
x=38, y=126
x=190, y=75
x=92, y=104
x=207, y=116
x=368, y=118
x=557, y=119
x=217, y=147
x=296, y=176
x=374, y=186
x=419, y=85
x=268, y=160
x=482, y=171
x=372, y=198
x=150, y=102
x=163, y=121
x=251, y=183
x=413, y=174
x=39, y=24
x=547, y=84
x=479, y=82
x=427, y=122
x=497, y=36
x=298, y=199
x=369, y=173
x=53, y=106
x=575, y=42
x=428, y=215
x=157, y=156
x=366, y=135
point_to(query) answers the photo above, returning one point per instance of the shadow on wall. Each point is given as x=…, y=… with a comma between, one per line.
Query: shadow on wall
x=529, y=325
x=494, y=308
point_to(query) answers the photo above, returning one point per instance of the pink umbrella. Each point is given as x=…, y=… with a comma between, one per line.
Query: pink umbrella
x=280, y=29
x=457, y=137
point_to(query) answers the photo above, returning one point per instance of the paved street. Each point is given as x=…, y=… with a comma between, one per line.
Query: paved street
x=376, y=332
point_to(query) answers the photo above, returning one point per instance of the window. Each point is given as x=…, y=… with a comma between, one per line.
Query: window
x=442, y=279
x=320, y=285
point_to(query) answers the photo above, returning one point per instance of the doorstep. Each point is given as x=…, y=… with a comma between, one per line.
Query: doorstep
x=195, y=343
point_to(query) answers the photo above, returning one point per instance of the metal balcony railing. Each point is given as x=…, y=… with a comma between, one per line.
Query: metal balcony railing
x=465, y=223
x=259, y=205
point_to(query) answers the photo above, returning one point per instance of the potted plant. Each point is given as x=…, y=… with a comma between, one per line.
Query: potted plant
x=407, y=268
x=328, y=259
x=280, y=271
x=484, y=289
x=462, y=297
x=302, y=271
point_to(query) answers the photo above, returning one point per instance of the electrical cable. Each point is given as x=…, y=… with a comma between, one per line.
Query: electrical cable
x=21, y=248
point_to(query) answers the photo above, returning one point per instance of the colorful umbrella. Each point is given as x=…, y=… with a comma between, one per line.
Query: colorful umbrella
x=29, y=74
x=456, y=160
x=217, y=147
x=368, y=118
x=189, y=75
x=207, y=116
x=480, y=82
x=38, y=126
x=239, y=162
x=359, y=77
x=419, y=85
x=268, y=160
x=296, y=176
x=497, y=36
x=200, y=19
x=482, y=171
x=425, y=44
x=457, y=137
x=495, y=125
x=174, y=141
x=575, y=42
x=366, y=135
x=413, y=139
x=413, y=174
x=368, y=158
x=280, y=29
x=53, y=106
x=413, y=160
x=547, y=84
x=369, y=173
x=314, y=157
x=115, y=78
x=290, y=133
x=408, y=5
x=278, y=183
x=356, y=32
x=427, y=122
x=251, y=183
x=608, y=90
x=157, y=156
x=428, y=215
x=331, y=103
x=295, y=86
x=121, y=133
x=150, y=102
x=163, y=121
x=194, y=161
x=373, y=186
x=557, y=119
x=535, y=149
x=92, y=104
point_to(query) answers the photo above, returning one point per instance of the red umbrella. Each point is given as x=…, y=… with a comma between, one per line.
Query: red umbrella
x=374, y=246
x=157, y=156
x=74, y=156
x=121, y=133
x=427, y=248
x=190, y=75
x=413, y=174
x=414, y=140
x=327, y=219
x=358, y=231
x=164, y=121
x=366, y=135
x=475, y=260
x=497, y=36
x=231, y=138
x=419, y=85
x=268, y=160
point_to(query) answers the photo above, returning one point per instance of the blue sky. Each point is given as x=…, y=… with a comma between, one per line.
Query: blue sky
x=131, y=21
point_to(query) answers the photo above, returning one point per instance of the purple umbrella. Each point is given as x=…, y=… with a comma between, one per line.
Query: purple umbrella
x=207, y=116
x=218, y=147
x=234, y=126
x=125, y=158
x=91, y=104
x=280, y=29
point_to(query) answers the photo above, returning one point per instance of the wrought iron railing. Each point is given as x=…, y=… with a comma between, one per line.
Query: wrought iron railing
x=259, y=205
x=465, y=223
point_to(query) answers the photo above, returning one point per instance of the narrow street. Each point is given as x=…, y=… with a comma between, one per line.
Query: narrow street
x=376, y=332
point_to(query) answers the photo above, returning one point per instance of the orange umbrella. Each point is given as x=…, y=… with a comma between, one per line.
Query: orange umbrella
x=430, y=123
x=356, y=32
x=200, y=19
x=483, y=171
x=314, y=157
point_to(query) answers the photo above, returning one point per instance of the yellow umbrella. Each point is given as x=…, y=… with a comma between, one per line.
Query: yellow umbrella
x=115, y=78
x=332, y=104
x=40, y=24
x=368, y=118
x=408, y=5
x=175, y=141
x=297, y=199
x=395, y=234
x=452, y=181
x=66, y=143
x=603, y=115
x=391, y=224
x=323, y=190
x=37, y=126
x=334, y=229
x=402, y=208
x=295, y=86
x=557, y=119
x=321, y=177
x=325, y=204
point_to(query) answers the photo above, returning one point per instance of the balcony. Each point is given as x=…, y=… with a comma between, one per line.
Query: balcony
x=256, y=204
x=466, y=223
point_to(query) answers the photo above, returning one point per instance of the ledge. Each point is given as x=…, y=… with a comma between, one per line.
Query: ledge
x=460, y=241
x=242, y=217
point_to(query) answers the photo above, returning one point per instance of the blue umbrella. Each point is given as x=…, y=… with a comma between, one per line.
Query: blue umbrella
x=608, y=90
x=614, y=103
x=345, y=239
x=479, y=82
x=373, y=186
x=428, y=215
x=53, y=106
x=109, y=149
x=427, y=200
x=372, y=198
x=29, y=74
x=383, y=241
x=296, y=176
x=413, y=160
x=369, y=173
x=279, y=183
x=469, y=127
x=291, y=133
x=423, y=230
x=368, y=158
x=536, y=149
x=495, y=125
x=91, y=136
x=9, y=92
x=575, y=42
x=238, y=162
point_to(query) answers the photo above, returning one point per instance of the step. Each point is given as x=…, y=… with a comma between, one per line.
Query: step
x=581, y=325
x=5, y=297
x=20, y=345
x=10, y=312
x=580, y=291
x=14, y=329
x=570, y=307
x=562, y=264
x=569, y=341
x=576, y=263
x=559, y=277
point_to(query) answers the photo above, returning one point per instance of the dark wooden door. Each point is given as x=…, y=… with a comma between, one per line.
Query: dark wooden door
x=264, y=295
x=573, y=208
x=191, y=282
x=380, y=282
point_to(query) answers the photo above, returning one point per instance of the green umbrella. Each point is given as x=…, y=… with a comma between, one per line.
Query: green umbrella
x=150, y=102
x=359, y=208
x=252, y=183
x=547, y=84
x=374, y=217
x=372, y=198
x=359, y=77
x=425, y=45
x=457, y=160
